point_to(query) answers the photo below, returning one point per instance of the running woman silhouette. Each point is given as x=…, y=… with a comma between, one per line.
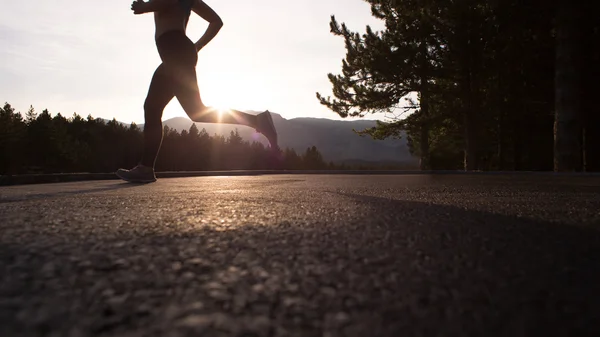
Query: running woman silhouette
x=176, y=77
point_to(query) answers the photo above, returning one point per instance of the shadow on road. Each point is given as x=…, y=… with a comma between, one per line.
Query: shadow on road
x=52, y=194
x=394, y=268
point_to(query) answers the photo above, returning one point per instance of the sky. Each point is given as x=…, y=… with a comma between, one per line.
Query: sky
x=97, y=57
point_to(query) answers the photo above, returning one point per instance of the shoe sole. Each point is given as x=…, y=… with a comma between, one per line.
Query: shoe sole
x=136, y=181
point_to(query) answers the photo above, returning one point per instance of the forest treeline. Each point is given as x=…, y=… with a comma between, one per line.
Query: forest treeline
x=501, y=85
x=45, y=143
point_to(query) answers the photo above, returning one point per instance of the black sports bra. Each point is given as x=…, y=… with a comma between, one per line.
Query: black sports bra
x=186, y=5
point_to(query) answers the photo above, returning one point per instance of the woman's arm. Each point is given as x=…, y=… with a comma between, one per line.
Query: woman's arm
x=141, y=7
x=214, y=22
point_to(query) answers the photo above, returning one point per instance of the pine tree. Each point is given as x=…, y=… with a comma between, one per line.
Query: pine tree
x=483, y=75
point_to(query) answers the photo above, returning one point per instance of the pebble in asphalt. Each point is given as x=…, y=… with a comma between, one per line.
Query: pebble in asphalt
x=297, y=255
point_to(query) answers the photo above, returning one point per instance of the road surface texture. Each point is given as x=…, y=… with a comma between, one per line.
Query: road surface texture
x=299, y=255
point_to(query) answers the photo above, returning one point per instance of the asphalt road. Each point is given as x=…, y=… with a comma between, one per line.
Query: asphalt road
x=294, y=255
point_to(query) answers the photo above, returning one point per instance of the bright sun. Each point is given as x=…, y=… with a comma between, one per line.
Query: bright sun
x=219, y=104
x=224, y=96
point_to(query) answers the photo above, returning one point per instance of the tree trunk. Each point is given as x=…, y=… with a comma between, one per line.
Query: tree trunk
x=569, y=63
x=470, y=163
x=501, y=115
x=468, y=64
x=424, y=109
x=425, y=163
x=591, y=108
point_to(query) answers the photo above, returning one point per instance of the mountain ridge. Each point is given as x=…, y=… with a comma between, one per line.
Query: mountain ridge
x=335, y=139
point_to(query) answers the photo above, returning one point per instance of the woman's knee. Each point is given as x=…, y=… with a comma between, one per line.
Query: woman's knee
x=152, y=114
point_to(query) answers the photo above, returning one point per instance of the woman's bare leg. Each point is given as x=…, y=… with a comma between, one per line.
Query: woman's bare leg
x=187, y=93
x=159, y=95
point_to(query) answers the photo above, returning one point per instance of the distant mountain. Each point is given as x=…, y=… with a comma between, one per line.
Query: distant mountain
x=335, y=139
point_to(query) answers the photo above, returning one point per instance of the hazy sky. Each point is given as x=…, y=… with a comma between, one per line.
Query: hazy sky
x=96, y=57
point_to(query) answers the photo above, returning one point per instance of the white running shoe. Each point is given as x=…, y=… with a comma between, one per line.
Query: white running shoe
x=138, y=174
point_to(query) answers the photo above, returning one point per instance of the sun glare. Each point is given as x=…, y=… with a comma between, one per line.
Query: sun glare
x=220, y=106
x=218, y=95
x=220, y=111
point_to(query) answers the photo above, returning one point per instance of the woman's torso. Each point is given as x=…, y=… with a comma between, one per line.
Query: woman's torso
x=174, y=18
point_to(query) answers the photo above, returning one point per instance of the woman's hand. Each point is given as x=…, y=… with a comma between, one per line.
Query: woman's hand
x=138, y=7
